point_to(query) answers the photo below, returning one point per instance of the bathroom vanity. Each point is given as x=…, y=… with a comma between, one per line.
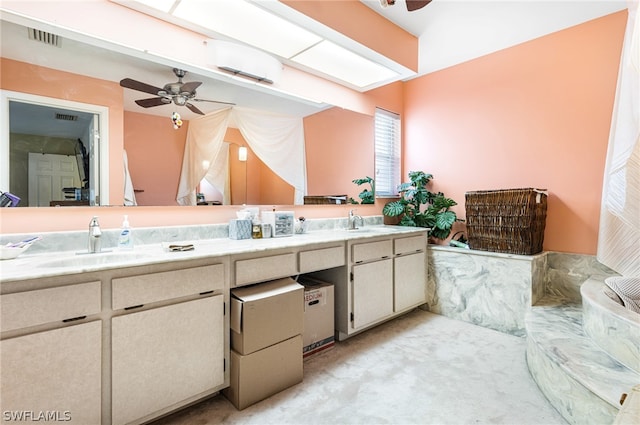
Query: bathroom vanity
x=121, y=337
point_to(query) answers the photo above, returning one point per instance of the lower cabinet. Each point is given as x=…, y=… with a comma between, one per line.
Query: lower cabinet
x=410, y=277
x=164, y=356
x=372, y=292
x=53, y=376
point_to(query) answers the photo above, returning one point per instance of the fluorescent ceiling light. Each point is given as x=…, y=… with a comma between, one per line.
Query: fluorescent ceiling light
x=162, y=5
x=331, y=59
x=248, y=23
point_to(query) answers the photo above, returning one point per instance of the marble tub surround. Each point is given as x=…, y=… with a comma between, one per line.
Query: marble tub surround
x=582, y=381
x=566, y=273
x=611, y=326
x=488, y=289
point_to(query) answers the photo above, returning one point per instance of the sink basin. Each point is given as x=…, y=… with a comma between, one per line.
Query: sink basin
x=367, y=229
x=96, y=259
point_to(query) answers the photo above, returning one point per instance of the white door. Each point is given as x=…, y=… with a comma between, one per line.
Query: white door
x=48, y=175
x=93, y=150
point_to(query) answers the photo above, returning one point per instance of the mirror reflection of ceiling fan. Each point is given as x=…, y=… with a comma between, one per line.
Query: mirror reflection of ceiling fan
x=411, y=4
x=178, y=93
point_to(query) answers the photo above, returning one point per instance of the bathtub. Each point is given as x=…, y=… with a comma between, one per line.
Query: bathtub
x=610, y=325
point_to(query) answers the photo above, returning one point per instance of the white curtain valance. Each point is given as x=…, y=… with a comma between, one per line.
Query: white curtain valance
x=278, y=140
x=203, y=145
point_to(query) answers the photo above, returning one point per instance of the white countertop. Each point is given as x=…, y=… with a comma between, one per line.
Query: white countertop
x=69, y=262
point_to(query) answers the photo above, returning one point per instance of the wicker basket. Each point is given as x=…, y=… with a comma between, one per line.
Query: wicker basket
x=328, y=199
x=509, y=220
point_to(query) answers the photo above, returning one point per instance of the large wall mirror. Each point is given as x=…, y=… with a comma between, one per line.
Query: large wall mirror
x=338, y=143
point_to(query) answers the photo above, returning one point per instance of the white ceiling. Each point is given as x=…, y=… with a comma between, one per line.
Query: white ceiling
x=450, y=32
x=455, y=31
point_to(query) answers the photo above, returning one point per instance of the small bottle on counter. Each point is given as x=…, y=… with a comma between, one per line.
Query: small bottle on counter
x=256, y=229
x=125, y=241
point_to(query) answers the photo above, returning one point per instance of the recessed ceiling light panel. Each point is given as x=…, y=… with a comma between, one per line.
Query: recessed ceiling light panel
x=336, y=61
x=246, y=22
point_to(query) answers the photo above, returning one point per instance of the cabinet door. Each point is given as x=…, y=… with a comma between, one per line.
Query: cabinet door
x=56, y=372
x=410, y=281
x=166, y=355
x=372, y=292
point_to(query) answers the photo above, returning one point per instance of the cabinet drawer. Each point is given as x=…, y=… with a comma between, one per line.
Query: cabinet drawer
x=370, y=251
x=409, y=245
x=153, y=287
x=254, y=270
x=32, y=308
x=321, y=259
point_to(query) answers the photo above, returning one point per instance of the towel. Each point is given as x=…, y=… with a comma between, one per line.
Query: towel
x=129, y=194
x=628, y=289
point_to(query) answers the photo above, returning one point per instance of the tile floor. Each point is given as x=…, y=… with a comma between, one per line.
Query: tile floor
x=421, y=368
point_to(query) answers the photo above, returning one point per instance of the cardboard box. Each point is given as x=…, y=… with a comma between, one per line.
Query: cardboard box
x=265, y=314
x=318, y=333
x=259, y=375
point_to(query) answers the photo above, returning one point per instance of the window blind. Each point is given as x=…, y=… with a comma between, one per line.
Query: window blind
x=387, y=153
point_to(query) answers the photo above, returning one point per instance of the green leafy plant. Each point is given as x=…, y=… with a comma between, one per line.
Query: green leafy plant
x=419, y=207
x=366, y=196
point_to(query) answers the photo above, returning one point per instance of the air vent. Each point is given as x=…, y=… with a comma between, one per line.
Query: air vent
x=44, y=37
x=66, y=117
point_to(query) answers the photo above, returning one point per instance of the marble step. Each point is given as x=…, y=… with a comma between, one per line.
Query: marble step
x=578, y=378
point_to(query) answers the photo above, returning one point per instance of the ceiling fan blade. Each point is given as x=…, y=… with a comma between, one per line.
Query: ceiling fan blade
x=192, y=108
x=190, y=87
x=137, y=85
x=416, y=4
x=154, y=101
x=212, y=101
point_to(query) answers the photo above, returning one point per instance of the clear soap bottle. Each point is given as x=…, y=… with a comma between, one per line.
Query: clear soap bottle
x=125, y=240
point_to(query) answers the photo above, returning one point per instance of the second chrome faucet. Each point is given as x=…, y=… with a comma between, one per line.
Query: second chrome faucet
x=94, y=235
x=352, y=220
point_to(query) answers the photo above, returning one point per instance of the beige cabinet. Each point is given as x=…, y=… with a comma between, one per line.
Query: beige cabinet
x=372, y=288
x=51, y=354
x=384, y=277
x=165, y=357
x=56, y=373
x=409, y=278
x=409, y=272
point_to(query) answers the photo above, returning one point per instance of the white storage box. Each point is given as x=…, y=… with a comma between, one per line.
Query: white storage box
x=318, y=332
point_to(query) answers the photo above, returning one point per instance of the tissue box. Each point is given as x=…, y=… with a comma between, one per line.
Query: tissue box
x=239, y=229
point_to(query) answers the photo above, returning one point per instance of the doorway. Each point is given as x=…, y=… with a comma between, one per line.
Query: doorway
x=35, y=124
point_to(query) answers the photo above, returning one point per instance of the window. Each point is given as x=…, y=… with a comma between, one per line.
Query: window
x=387, y=153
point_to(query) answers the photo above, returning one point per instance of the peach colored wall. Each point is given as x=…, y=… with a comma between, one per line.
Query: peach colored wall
x=32, y=79
x=339, y=149
x=535, y=115
x=154, y=150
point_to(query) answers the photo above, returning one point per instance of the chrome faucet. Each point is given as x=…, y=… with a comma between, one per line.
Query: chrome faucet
x=352, y=220
x=94, y=235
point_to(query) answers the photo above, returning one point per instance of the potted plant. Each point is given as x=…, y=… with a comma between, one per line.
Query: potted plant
x=366, y=196
x=436, y=213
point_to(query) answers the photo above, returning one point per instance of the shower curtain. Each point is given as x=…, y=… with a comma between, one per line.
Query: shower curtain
x=619, y=233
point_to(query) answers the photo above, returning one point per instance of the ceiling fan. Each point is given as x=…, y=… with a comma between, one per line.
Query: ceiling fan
x=178, y=93
x=411, y=4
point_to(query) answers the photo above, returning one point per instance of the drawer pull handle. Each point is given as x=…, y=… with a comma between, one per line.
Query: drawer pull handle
x=207, y=292
x=386, y=256
x=73, y=319
x=133, y=306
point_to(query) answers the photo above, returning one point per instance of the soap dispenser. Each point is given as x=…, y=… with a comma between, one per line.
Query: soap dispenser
x=125, y=241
